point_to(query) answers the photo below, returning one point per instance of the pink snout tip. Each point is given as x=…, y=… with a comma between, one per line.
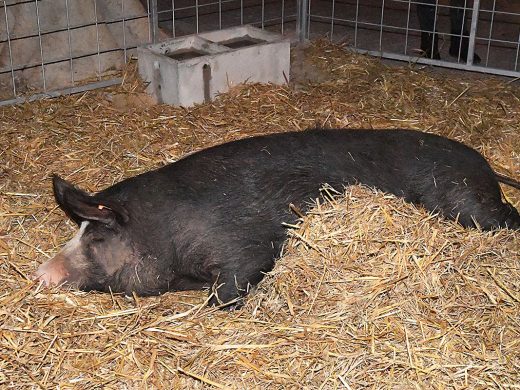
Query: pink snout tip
x=50, y=273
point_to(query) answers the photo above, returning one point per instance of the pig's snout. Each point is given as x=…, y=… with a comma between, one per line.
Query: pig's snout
x=62, y=267
x=52, y=272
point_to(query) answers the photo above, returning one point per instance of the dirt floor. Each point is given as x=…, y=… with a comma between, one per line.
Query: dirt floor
x=371, y=292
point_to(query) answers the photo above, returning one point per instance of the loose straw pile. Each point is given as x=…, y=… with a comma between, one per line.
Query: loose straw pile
x=371, y=292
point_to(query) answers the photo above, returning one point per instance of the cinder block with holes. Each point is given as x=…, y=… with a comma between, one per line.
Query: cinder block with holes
x=194, y=69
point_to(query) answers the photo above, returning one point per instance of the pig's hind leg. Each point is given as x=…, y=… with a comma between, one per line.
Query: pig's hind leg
x=470, y=195
x=492, y=215
x=480, y=206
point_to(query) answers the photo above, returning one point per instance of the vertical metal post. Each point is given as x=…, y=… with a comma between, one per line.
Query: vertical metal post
x=332, y=16
x=283, y=15
x=435, y=19
x=302, y=19
x=173, y=18
x=197, y=16
x=241, y=12
x=123, y=24
x=98, y=43
x=356, y=23
x=11, y=50
x=220, y=14
x=41, y=45
x=407, y=28
x=381, y=26
x=154, y=20
x=263, y=14
x=517, y=52
x=69, y=41
x=490, y=36
x=473, y=31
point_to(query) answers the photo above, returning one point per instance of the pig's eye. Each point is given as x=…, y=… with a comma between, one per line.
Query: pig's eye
x=98, y=239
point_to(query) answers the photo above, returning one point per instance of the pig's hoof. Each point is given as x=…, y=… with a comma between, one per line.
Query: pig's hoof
x=231, y=305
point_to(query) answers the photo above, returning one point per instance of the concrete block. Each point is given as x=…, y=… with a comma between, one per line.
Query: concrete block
x=194, y=69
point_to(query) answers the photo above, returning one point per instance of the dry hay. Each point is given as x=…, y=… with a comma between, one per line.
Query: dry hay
x=372, y=292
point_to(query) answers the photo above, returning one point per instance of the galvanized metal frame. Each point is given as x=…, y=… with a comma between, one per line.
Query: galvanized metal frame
x=307, y=21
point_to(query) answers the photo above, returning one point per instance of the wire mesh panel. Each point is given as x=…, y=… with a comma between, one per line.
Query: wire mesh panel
x=60, y=45
x=480, y=35
x=64, y=46
x=182, y=17
x=48, y=48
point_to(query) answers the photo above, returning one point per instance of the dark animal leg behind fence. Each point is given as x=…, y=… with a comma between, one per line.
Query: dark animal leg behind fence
x=459, y=41
x=429, y=39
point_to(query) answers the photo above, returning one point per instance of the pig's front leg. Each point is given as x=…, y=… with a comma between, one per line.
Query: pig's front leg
x=234, y=280
x=228, y=290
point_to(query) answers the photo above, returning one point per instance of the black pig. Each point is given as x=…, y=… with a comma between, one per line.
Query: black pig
x=214, y=218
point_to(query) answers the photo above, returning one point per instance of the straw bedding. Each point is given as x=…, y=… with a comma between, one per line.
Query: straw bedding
x=371, y=292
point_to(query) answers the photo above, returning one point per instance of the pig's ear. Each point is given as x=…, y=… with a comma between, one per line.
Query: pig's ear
x=80, y=206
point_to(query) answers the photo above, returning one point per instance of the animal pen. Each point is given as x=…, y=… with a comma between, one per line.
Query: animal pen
x=370, y=292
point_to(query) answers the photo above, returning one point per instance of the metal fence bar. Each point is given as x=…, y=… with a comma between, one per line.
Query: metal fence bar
x=219, y=14
x=517, y=51
x=356, y=24
x=490, y=32
x=56, y=61
x=10, y=50
x=98, y=48
x=302, y=19
x=123, y=25
x=283, y=16
x=443, y=64
x=464, y=12
x=62, y=92
x=69, y=39
x=381, y=22
x=473, y=31
x=308, y=18
x=173, y=17
x=332, y=19
x=263, y=13
x=362, y=24
x=154, y=20
x=41, y=46
x=407, y=27
x=435, y=26
x=71, y=27
x=197, y=15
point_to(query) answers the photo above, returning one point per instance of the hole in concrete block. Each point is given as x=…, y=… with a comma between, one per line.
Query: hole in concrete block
x=186, y=54
x=237, y=43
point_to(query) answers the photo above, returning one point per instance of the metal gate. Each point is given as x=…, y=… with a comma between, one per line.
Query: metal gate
x=49, y=48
